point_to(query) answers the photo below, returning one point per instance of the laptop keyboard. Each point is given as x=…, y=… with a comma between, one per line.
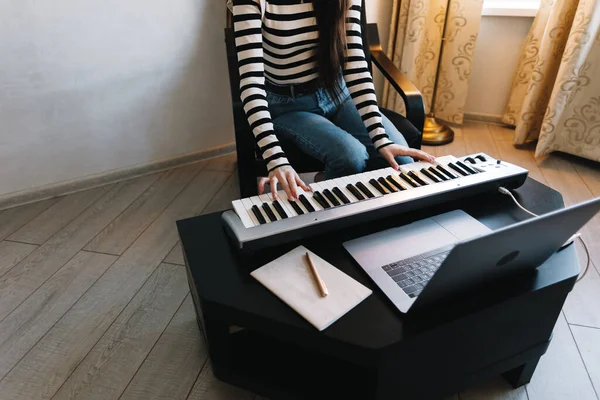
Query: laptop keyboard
x=413, y=273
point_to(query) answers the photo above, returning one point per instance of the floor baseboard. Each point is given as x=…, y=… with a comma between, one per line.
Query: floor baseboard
x=483, y=117
x=75, y=185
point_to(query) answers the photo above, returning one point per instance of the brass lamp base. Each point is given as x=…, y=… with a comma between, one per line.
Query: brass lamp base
x=435, y=133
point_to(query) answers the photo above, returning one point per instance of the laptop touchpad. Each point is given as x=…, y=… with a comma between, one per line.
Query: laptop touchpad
x=419, y=237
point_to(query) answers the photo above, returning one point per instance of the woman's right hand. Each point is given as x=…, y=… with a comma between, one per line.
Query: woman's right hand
x=289, y=180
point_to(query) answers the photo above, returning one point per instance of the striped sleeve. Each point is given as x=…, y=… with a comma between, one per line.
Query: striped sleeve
x=359, y=80
x=248, y=41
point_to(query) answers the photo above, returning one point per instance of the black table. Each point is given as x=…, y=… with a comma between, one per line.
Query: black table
x=374, y=351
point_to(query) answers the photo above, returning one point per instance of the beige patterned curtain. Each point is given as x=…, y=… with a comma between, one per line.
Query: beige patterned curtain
x=556, y=92
x=414, y=46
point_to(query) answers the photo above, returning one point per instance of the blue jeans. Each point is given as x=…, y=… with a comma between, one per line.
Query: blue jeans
x=334, y=135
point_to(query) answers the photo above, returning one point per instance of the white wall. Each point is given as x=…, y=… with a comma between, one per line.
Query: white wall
x=496, y=56
x=380, y=12
x=91, y=86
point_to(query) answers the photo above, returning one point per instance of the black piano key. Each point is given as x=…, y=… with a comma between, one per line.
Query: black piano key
x=258, y=215
x=466, y=168
x=296, y=207
x=408, y=179
x=377, y=186
x=417, y=178
x=321, y=200
x=446, y=172
x=355, y=192
x=438, y=174
x=269, y=212
x=429, y=175
x=341, y=195
x=306, y=203
x=331, y=197
x=395, y=182
x=386, y=185
x=364, y=189
x=457, y=169
x=279, y=209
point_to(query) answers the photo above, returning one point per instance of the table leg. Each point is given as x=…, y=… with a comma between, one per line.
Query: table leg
x=217, y=338
x=522, y=374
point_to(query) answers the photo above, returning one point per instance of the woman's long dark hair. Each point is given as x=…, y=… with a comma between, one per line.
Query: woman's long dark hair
x=331, y=21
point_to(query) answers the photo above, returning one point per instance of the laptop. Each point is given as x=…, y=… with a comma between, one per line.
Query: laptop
x=427, y=261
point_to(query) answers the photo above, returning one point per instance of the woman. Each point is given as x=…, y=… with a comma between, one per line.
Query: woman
x=303, y=74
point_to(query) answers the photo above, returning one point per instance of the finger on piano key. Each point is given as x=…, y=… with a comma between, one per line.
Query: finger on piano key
x=243, y=213
x=287, y=204
x=248, y=206
x=277, y=206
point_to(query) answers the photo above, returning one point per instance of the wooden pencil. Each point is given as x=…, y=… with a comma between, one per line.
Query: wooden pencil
x=317, y=277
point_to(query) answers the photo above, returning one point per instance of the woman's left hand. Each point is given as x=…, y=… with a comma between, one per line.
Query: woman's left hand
x=391, y=151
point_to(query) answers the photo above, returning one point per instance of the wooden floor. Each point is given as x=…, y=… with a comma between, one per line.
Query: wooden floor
x=94, y=302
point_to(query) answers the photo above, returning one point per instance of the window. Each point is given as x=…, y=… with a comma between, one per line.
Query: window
x=510, y=8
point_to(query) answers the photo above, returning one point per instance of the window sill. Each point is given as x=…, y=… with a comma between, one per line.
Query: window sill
x=503, y=8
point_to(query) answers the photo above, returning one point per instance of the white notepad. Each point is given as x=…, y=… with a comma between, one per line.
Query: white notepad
x=290, y=279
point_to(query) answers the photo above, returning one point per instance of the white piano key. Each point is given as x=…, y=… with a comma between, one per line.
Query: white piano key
x=285, y=203
x=416, y=169
x=427, y=165
x=375, y=175
x=242, y=212
x=341, y=184
x=248, y=206
x=268, y=198
x=309, y=197
x=258, y=203
x=346, y=181
x=364, y=178
x=329, y=185
x=298, y=202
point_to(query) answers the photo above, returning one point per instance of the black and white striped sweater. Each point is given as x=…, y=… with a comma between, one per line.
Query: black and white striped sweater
x=279, y=44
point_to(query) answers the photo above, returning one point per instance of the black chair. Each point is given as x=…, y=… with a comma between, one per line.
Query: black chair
x=250, y=164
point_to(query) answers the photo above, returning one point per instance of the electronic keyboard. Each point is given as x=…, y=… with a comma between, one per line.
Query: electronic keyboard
x=259, y=222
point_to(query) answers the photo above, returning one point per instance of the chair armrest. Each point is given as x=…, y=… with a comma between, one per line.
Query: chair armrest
x=413, y=99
